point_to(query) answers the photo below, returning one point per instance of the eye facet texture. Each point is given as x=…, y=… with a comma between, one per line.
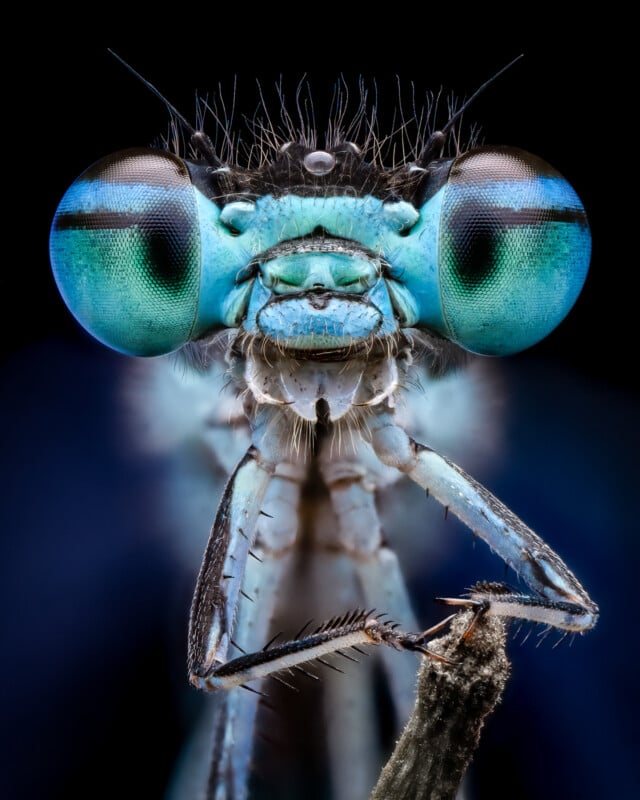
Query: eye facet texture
x=125, y=251
x=513, y=250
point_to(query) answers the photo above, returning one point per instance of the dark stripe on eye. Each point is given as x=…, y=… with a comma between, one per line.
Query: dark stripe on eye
x=474, y=213
x=97, y=220
x=537, y=216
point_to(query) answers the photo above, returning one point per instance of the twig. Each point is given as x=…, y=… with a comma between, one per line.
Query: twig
x=452, y=703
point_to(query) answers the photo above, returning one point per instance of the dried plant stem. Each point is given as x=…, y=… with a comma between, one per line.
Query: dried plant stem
x=452, y=703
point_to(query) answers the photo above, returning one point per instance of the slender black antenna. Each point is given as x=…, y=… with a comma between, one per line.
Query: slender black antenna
x=199, y=139
x=438, y=138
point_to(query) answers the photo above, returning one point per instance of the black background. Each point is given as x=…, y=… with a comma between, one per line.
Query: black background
x=92, y=674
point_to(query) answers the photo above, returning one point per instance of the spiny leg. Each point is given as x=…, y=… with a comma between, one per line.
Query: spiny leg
x=219, y=583
x=559, y=600
x=215, y=602
x=246, y=556
x=214, y=612
x=222, y=749
x=265, y=572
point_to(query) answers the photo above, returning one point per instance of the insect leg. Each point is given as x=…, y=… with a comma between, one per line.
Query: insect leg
x=265, y=573
x=246, y=556
x=559, y=598
x=222, y=750
x=220, y=580
x=215, y=607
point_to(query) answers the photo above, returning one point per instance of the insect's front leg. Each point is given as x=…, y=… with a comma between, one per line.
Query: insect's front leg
x=219, y=585
x=559, y=599
x=220, y=580
x=246, y=560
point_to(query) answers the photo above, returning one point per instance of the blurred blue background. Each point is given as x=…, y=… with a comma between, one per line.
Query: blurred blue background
x=93, y=601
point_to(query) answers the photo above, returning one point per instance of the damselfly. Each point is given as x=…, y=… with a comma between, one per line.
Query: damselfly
x=318, y=294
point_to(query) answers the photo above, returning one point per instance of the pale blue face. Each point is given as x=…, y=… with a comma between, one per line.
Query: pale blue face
x=491, y=255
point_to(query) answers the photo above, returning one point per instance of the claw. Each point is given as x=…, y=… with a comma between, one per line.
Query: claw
x=479, y=608
x=414, y=642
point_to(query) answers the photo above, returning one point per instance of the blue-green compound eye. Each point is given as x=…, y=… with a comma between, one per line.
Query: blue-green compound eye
x=125, y=250
x=513, y=250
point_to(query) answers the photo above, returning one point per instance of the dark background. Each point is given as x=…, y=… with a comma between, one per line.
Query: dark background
x=93, y=613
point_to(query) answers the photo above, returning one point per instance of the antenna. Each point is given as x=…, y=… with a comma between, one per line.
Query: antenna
x=199, y=139
x=438, y=138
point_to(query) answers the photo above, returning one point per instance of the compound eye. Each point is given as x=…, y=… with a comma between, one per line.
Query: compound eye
x=125, y=251
x=513, y=251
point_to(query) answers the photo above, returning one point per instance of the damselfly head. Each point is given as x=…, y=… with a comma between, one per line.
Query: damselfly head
x=321, y=248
